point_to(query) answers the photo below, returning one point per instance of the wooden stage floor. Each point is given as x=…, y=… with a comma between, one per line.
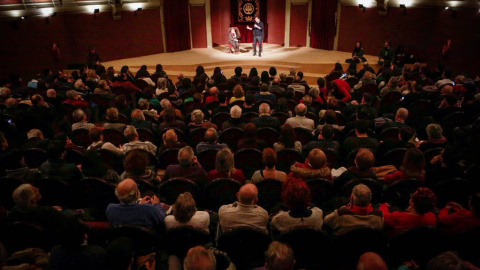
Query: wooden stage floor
x=314, y=63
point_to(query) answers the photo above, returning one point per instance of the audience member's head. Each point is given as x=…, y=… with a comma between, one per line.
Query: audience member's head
x=248, y=194
x=279, y=256
x=434, y=132
x=184, y=207
x=137, y=115
x=79, y=115
x=413, y=164
x=249, y=99
x=186, y=156
x=364, y=159
x=127, y=191
x=423, y=200
x=35, y=133
x=236, y=111
x=56, y=149
x=26, y=195
x=112, y=114
x=199, y=258
x=130, y=133
x=269, y=158
x=135, y=162
x=296, y=194
x=225, y=162
x=328, y=131
x=197, y=116
x=120, y=254
x=361, y=195
x=264, y=108
x=301, y=109
x=211, y=136
x=170, y=137
x=371, y=261
x=317, y=159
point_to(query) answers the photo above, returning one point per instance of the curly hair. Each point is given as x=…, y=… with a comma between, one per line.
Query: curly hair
x=296, y=194
x=424, y=200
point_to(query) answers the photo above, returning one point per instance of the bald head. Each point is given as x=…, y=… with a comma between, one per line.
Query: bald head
x=211, y=135
x=248, y=194
x=301, y=109
x=51, y=93
x=127, y=191
x=264, y=108
x=371, y=261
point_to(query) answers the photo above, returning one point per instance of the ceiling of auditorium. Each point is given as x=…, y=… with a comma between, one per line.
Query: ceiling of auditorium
x=16, y=9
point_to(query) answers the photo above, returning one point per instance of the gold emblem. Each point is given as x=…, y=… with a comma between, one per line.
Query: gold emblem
x=248, y=9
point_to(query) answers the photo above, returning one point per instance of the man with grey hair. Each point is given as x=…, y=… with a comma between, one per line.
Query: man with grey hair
x=133, y=210
x=165, y=103
x=235, y=118
x=264, y=119
x=35, y=139
x=188, y=167
x=435, y=138
x=279, y=256
x=299, y=120
x=131, y=134
x=211, y=137
x=81, y=120
x=144, y=105
x=13, y=110
x=138, y=121
x=400, y=118
x=359, y=212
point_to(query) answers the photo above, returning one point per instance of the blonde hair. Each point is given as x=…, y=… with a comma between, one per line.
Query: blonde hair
x=112, y=114
x=225, y=162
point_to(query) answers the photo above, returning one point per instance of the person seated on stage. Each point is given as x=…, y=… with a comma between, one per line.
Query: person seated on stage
x=235, y=119
x=315, y=166
x=225, y=167
x=357, y=54
x=133, y=210
x=386, y=54
x=455, y=219
x=234, y=39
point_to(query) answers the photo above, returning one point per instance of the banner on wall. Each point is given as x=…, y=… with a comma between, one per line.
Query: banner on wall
x=248, y=10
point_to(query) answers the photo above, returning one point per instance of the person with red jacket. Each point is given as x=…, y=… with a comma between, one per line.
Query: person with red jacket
x=341, y=90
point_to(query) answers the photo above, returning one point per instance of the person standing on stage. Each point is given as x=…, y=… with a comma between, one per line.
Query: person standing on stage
x=258, y=35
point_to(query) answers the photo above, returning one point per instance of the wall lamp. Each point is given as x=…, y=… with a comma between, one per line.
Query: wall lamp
x=138, y=9
x=95, y=11
x=362, y=7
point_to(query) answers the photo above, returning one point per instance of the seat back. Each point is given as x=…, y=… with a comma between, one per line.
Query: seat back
x=34, y=157
x=145, y=135
x=112, y=160
x=74, y=156
x=389, y=133
x=196, y=136
x=398, y=193
x=312, y=247
x=466, y=244
x=394, y=157
x=286, y=158
x=333, y=157
x=248, y=116
x=54, y=191
x=21, y=235
x=219, y=192
x=248, y=160
x=144, y=240
x=212, y=104
x=114, y=137
x=349, y=246
x=268, y=135
x=269, y=193
x=168, y=157
x=170, y=189
x=141, y=84
x=231, y=136
x=454, y=190
x=180, y=239
x=451, y=121
x=206, y=158
x=95, y=193
x=80, y=137
x=418, y=244
x=322, y=192
x=245, y=246
x=7, y=186
x=375, y=186
x=282, y=117
x=303, y=135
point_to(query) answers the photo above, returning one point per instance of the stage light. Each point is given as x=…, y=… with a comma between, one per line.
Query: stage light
x=362, y=6
x=446, y=8
x=22, y=18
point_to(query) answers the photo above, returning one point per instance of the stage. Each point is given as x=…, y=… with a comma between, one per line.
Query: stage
x=313, y=63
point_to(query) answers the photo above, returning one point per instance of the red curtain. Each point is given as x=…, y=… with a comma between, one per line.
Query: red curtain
x=324, y=27
x=247, y=35
x=177, y=26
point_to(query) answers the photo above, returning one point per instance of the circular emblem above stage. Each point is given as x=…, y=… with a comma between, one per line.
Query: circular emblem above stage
x=248, y=10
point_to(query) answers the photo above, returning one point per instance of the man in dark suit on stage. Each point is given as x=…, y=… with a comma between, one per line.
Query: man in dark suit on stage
x=258, y=35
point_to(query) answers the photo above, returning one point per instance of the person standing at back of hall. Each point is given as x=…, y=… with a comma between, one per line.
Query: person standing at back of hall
x=258, y=35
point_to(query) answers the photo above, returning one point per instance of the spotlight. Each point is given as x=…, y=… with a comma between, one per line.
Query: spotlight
x=138, y=9
x=22, y=18
x=362, y=7
x=446, y=8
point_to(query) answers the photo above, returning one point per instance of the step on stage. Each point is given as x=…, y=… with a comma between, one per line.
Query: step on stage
x=314, y=63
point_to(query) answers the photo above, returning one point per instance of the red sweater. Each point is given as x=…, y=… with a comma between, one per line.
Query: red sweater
x=454, y=222
x=238, y=175
x=397, y=222
x=344, y=89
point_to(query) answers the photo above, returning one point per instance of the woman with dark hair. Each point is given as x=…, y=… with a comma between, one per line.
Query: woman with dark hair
x=420, y=213
x=357, y=54
x=269, y=159
x=200, y=76
x=297, y=197
x=282, y=106
x=126, y=74
x=264, y=78
x=338, y=69
x=142, y=72
x=253, y=73
x=413, y=166
x=225, y=167
x=171, y=120
x=218, y=76
x=287, y=140
x=185, y=213
x=159, y=70
x=93, y=166
x=273, y=72
x=136, y=164
x=120, y=103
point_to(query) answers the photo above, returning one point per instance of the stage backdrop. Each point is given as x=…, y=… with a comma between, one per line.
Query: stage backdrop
x=177, y=25
x=323, y=23
x=243, y=15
